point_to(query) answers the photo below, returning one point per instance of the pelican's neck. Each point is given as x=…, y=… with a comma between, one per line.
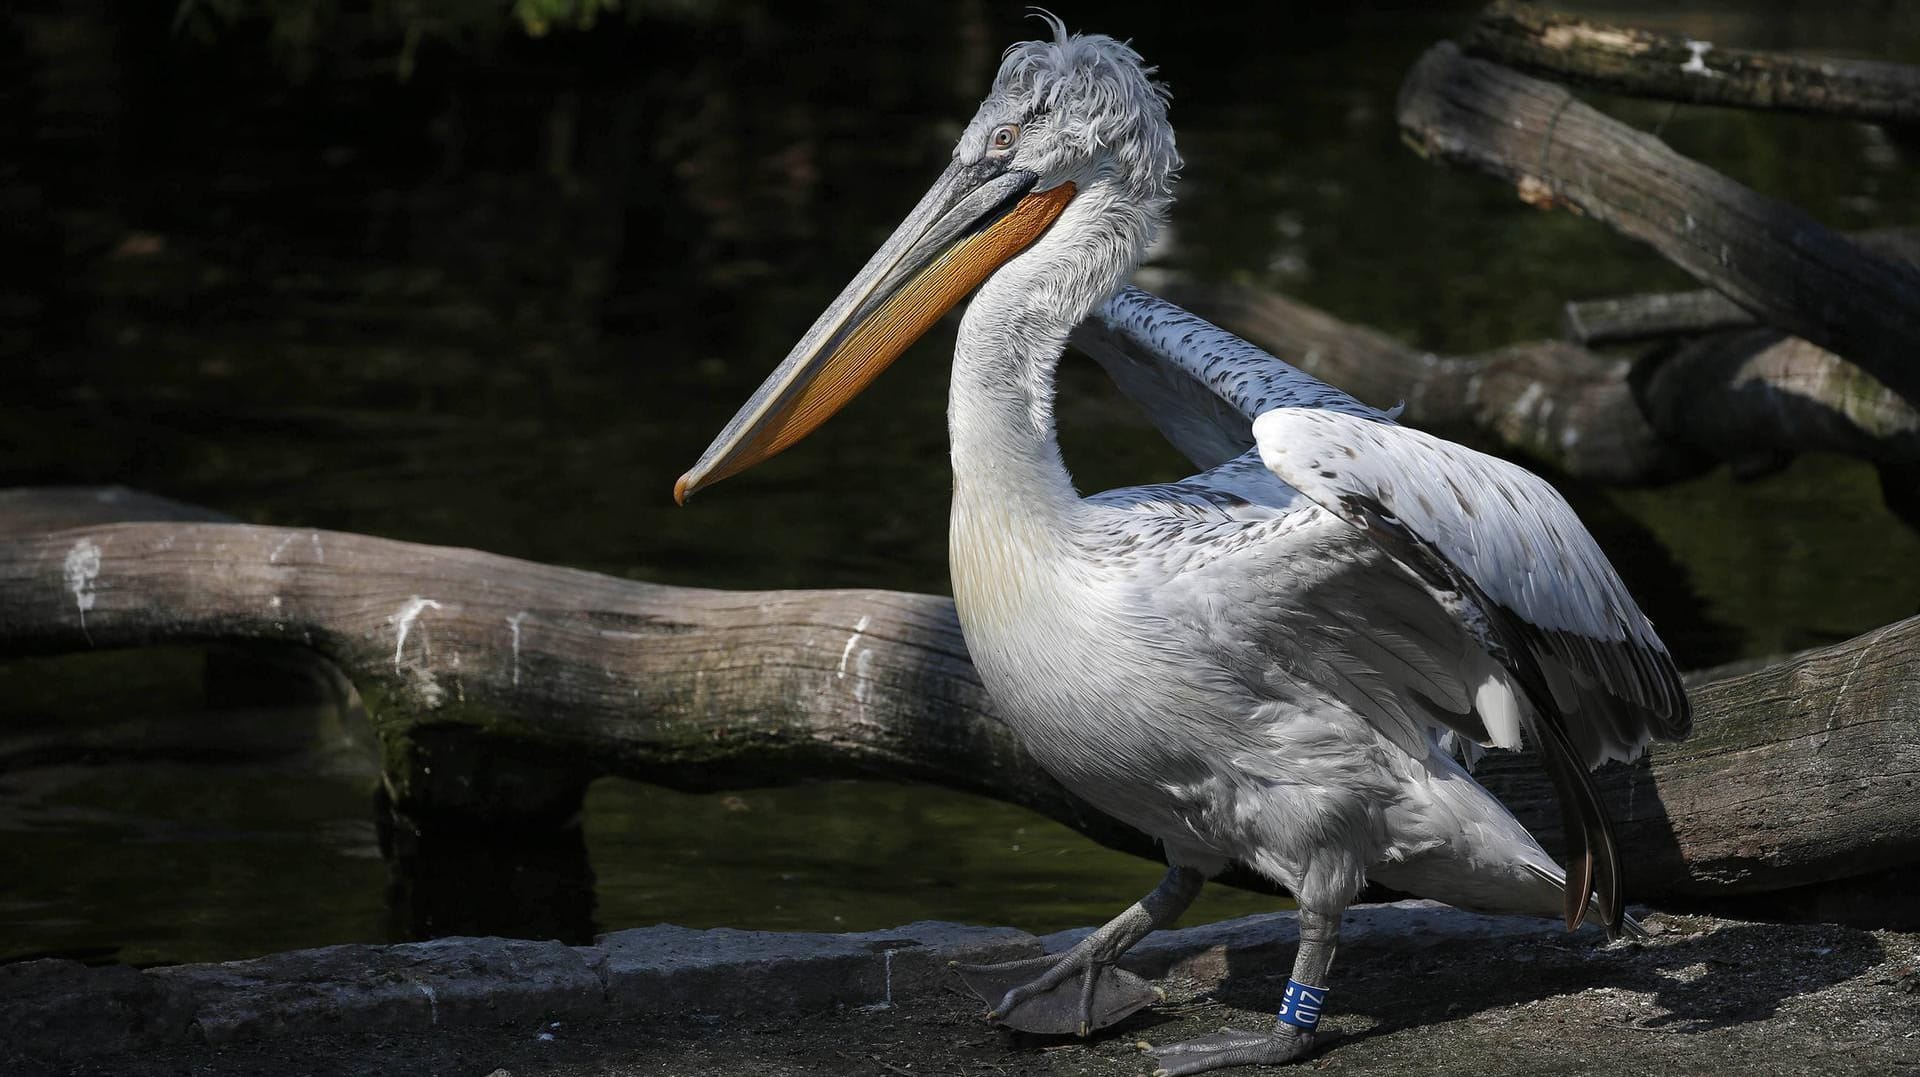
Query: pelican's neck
x=1006, y=456
x=1000, y=411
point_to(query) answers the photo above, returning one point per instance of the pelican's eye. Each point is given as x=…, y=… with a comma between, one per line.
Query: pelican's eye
x=1004, y=137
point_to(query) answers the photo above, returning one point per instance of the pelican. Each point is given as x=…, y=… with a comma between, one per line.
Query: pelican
x=1286, y=660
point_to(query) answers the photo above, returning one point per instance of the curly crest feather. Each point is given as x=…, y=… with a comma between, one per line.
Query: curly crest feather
x=1092, y=93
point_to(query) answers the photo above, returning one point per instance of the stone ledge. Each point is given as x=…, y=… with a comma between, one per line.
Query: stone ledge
x=55, y=1007
x=456, y=981
x=667, y=969
x=66, y=1006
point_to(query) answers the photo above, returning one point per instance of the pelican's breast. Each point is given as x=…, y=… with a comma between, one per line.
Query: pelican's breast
x=1061, y=644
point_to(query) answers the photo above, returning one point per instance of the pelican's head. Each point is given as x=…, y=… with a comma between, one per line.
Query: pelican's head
x=1078, y=118
x=1082, y=109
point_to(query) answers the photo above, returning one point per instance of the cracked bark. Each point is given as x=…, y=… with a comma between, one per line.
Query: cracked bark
x=500, y=687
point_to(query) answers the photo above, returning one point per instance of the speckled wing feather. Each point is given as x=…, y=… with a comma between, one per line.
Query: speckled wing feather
x=1506, y=533
x=1201, y=385
x=1509, y=541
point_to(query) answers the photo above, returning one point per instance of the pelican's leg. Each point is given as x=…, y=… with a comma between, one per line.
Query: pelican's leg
x=1081, y=990
x=1292, y=1035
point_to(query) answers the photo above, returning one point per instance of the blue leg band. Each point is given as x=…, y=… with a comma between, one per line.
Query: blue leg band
x=1301, y=1005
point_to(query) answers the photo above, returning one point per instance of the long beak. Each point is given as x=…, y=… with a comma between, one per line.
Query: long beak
x=972, y=222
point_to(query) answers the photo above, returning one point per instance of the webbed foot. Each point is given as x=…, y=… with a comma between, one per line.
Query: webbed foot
x=1058, y=994
x=1232, y=1047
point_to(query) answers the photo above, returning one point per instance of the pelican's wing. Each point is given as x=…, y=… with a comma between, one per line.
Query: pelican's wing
x=1201, y=385
x=1500, y=545
x=1496, y=547
x=1471, y=526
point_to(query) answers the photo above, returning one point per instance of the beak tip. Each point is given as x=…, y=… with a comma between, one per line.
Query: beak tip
x=682, y=487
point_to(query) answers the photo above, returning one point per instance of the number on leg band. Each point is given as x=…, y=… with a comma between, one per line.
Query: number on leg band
x=1300, y=1007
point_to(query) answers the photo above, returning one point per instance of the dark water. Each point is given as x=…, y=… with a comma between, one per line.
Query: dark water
x=504, y=303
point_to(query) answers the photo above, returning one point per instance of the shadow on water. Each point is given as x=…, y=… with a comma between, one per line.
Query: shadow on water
x=534, y=883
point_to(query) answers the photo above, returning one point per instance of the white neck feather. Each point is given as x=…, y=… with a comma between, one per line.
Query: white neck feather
x=1006, y=457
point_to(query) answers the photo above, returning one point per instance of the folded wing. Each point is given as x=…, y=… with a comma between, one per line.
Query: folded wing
x=1493, y=544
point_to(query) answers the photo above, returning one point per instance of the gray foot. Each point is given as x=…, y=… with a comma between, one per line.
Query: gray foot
x=1231, y=1047
x=1057, y=995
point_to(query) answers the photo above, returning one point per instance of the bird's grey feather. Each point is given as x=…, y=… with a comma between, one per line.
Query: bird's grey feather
x=1521, y=546
x=1201, y=385
x=1215, y=395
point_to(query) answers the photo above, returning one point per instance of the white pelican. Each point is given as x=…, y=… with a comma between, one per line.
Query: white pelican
x=1271, y=662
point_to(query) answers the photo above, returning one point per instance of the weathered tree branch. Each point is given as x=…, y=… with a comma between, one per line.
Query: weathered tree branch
x=1752, y=398
x=1769, y=257
x=1625, y=319
x=1630, y=319
x=1672, y=68
x=501, y=686
x=459, y=652
x=1756, y=398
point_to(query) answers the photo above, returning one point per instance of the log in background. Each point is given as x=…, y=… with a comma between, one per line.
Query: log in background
x=500, y=687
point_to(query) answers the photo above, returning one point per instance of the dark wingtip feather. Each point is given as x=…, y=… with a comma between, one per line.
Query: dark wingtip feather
x=1579, y=892
x=1593, y=854
x=1613, y=902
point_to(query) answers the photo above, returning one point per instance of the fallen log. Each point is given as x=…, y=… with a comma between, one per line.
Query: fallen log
x=500, y=687
x=1674, y=68
x=1769, y=257
x=1749, y=398
x=1757, y=397
x=1636, y=318
x=1632, y=319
